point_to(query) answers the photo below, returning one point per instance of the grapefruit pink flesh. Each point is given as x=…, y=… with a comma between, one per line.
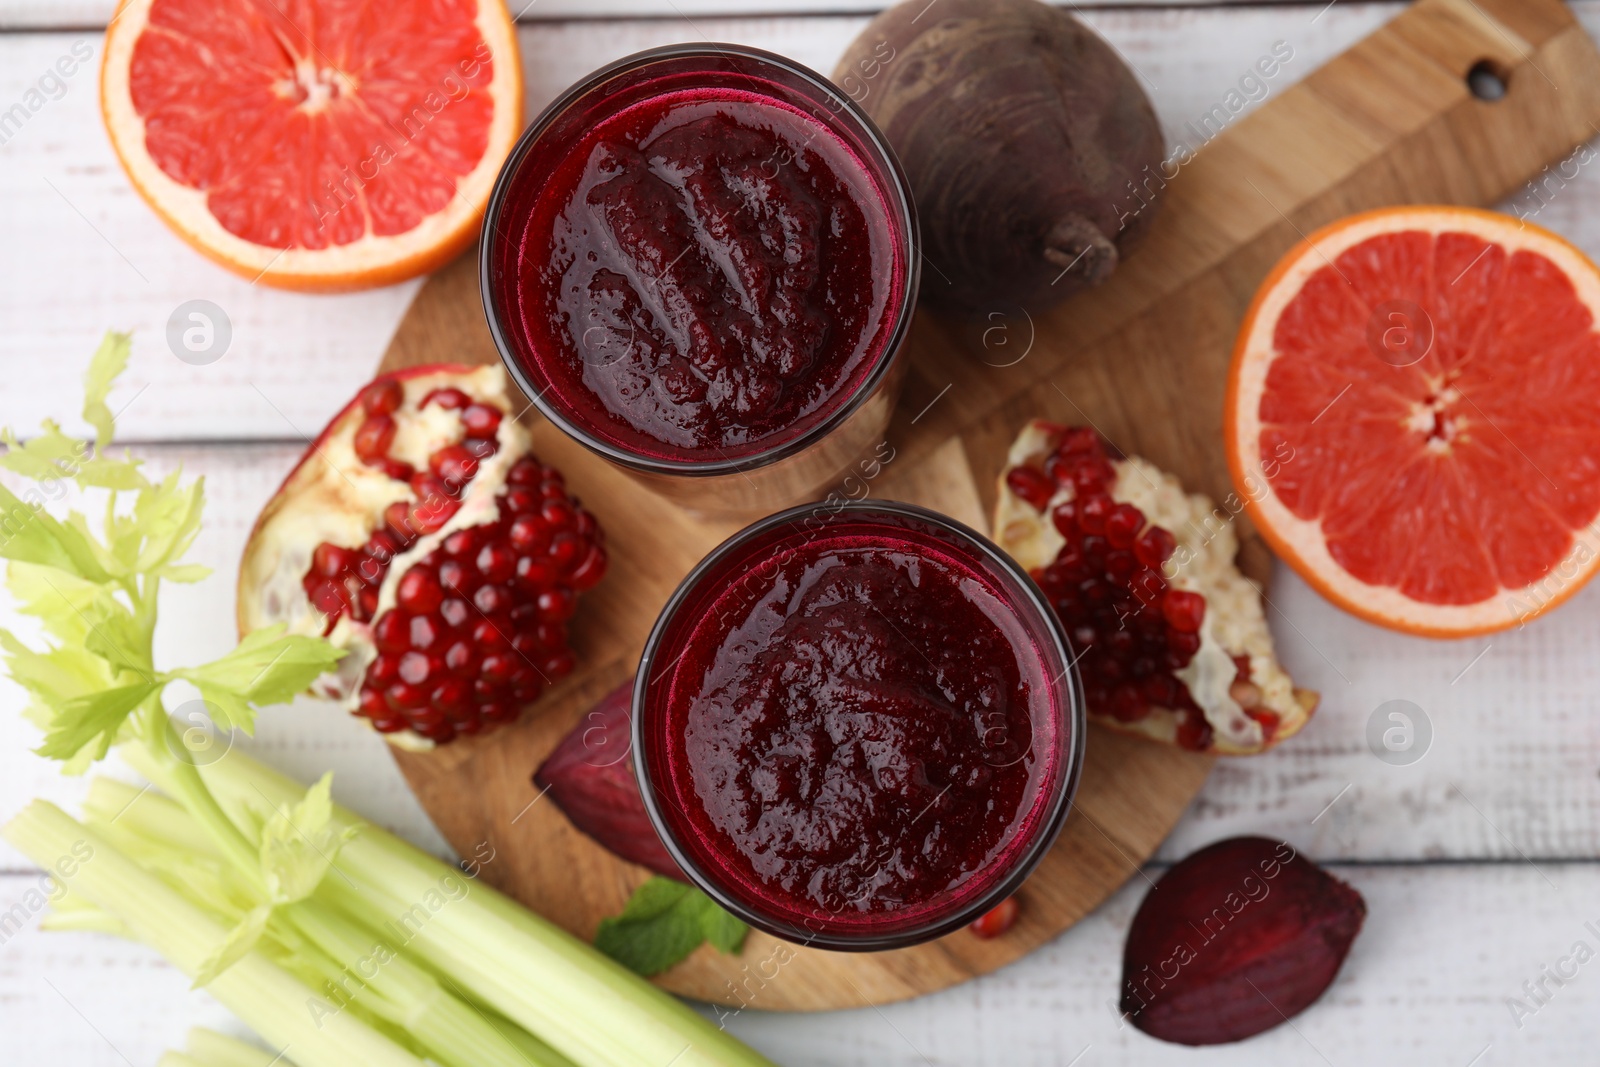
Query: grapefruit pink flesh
x=1466, y=471
x=314, y=124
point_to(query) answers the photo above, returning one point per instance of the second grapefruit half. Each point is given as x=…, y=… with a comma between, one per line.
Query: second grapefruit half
x=1413, y=417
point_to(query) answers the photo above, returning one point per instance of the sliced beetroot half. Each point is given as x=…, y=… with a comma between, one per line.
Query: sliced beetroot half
x=1234, y=940
x=590, y=777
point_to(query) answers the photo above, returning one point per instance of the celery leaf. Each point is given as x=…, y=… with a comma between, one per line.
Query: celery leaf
x=109, y=360
x=30, y=534
x=94, y=718
x=268, y=667
x=240, y=940
x=298, y=846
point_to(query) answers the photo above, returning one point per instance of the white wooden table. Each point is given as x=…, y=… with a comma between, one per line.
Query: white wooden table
x=1480, y=863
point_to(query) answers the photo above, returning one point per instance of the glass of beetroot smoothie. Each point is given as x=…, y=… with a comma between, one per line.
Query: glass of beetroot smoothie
x=857, y=726
x=701, y=263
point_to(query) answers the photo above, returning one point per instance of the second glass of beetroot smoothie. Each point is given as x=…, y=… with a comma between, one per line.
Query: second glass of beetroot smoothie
x=857, y=726
x=701, y=262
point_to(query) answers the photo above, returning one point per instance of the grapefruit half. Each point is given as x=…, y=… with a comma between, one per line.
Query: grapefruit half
x=315, y=144
x=1413, y=417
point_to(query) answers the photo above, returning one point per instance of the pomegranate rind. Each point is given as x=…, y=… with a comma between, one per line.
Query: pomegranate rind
x=332, y=496
x=1300, y=542
x=1234, y=625
x=366, y=263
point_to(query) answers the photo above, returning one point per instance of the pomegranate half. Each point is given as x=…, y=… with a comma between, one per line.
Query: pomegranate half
x=421, y=535
x=1171, y=637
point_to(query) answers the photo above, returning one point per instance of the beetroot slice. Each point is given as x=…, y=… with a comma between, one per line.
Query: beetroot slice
x=1234, y=940
x=590, y=778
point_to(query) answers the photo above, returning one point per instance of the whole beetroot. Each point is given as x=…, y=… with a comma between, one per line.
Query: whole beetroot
x=1025, y=139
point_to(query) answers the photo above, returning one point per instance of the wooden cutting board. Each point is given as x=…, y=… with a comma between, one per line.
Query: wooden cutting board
x=1143, y=358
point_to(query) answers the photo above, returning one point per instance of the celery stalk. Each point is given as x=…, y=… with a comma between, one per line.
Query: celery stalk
x=534, y=973
x=218, y=1050
x=267, y=998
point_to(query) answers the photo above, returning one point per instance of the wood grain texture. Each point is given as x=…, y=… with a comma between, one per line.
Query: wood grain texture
x=1143, y=359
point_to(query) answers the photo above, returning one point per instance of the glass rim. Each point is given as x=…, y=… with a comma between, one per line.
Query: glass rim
x=1073, y=722
x=904, y=209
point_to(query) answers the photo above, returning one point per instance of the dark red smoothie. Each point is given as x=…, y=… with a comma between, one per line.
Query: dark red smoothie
x=706, y=273
x=860, y=732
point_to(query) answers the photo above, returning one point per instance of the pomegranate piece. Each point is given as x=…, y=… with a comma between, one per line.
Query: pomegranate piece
x=445, y=563
x=1173, y=639
x=1234, y=940
x=996, y=921
x=590, y=778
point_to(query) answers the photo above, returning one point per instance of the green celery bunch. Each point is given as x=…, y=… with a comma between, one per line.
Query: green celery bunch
x=336, y=942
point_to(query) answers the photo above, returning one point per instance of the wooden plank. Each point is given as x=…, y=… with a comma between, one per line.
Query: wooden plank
x=1443, y=949
x=294, y=357
x=56, y=14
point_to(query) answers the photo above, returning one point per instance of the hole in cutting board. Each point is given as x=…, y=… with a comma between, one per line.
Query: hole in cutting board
x=1487, y=80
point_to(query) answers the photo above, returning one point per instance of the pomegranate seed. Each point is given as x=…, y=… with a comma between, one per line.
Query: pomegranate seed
x=498, y=667
x=487, y=636
x=419, y=591
x=557, y=604
x=451, y=696
x=454, y=465
x=587, y=574
x=452, y=575
x=1182, y=644
x=496, y=563
x=480, y=447
x=455, y=612
x=521, y=501
x=1184, y=611
x=559, y=514
x=329, y=598
x=414, y=668
x=997, y=920
x=367, y=603
x=480, y=420
x=461, y=543
x=424, y=631
x=528, y=692
x=392, y=632
x=394, y=468
x=1154, y=547
x=565, y=551
x=373, y=438
x=397, y=524
x=526, y=471
x=1127, y=703
x=403, y=696
x=384, y=669
x=1093, y=511
x=492, y=599
x=558, y=664
x=1080, y=440
x=1120, y=565
x=449, y=398
x=330, y=561
x=372, y=705
x=382, y=397
x=1092, y=476
x=528, y=534
x=1194, y=733
x=1065, y=517
x=1032, y=485
x=429, y=515
x=1123, y=525
x=459, y=658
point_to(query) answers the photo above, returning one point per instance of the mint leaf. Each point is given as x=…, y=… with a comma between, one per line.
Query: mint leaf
x=663, y=922
x=725, y=931
x=109, y=360
x=268, y=667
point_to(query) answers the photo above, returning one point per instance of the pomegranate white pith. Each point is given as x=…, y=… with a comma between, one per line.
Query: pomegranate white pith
x=437, y=552
x=1230, y=674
